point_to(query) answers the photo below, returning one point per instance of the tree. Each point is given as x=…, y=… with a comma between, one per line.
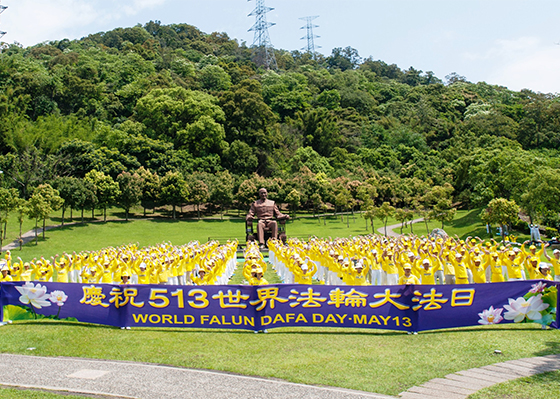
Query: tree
x=246, y=194
x=69, y=190
x=199, y=194
x=8, y=201
x=106, y=189
x=222, y=191
x=440, y=203
x=37, y=208
x=542, y=193
x=190, y=119
x=130, y=191
x=174, y=190
x=371, y=214
x=44, y=201
x=401, y=215
x=384, y=213
x=53, y=200
x=344, y=59
x=500, y=212
x=293, y=199
x=150, y=188
x=22, y=209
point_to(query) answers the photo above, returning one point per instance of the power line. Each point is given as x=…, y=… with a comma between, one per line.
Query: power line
x=310, y=37
x=263, y=49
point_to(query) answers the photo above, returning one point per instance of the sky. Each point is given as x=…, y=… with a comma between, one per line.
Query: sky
x=512, y=43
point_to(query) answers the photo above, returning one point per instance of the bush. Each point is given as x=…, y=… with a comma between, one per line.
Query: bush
x=551, y=232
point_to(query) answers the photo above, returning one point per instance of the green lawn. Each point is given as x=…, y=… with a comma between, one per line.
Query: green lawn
x=17, y=393
x=96, y=235
x=541, y=386
x=378, y=361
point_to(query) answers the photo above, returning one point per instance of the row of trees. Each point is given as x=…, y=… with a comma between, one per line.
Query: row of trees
x=313, y=192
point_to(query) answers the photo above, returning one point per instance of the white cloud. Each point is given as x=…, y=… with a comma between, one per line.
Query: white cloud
x=525, y=62
x=33, y=21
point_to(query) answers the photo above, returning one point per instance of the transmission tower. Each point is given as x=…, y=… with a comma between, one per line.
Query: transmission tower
x=263, y=49
x=2, y=9
x=310, y=37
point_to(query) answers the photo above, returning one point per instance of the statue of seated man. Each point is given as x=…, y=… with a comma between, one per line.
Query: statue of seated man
x=265, y=210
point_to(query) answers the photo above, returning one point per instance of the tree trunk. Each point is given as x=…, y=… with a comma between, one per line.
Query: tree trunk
x=82, y=215
x=173, y=211
x=62, y=216
x=93, y=213
x=44, y=227
x=71, y=214
x=427, y=229
x=105, y=214
x=411, y=229
x=126, y=214
x=36, y=227
x=5, y=226
x=198, y=210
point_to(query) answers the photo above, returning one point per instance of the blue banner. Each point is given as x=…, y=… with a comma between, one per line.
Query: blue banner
x=405, y=308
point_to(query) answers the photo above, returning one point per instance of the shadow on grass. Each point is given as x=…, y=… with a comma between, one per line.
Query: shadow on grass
x=552, y=348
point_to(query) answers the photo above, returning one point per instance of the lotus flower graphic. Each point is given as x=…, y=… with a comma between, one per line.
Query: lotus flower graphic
x=491, y=316
x=36, y=296
x=518, y=309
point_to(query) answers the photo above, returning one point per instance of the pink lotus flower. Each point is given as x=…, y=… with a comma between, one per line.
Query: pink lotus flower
x=491, y=316
x=538, y=287
x=58, y=297
x=518, y=309
x=35, y=295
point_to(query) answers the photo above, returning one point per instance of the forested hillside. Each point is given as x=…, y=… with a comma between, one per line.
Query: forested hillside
x=169, y=115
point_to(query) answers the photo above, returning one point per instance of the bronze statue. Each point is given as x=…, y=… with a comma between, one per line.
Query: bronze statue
x=265, y=210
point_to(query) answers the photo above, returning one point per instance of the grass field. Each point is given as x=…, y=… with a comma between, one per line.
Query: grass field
x=96, y=235
x=378, y=361
x=18, y=393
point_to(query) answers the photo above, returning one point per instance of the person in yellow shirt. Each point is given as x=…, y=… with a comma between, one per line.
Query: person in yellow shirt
x=4, y=272
x=258, y=278
x=555, y=261
x=495, y=265
x=478, y=270
x=125, y=277
x=143, y=274
x=63, y=268
x=16, y=270
x=448, y=267
x=543, y=272
x=407, y=278
x=390, y=267
x=461, y=276
x=359, y=273
x=427, y=273
x=532, y=265
x=514, y=265
x=303, y=275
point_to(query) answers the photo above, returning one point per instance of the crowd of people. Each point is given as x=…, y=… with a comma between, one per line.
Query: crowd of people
x=379, y=260
x=362, y=260
x=191, y=264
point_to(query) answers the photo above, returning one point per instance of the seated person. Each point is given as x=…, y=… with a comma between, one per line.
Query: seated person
x=265, y=210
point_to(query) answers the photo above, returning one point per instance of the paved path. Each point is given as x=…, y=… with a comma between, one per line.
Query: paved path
x=120, y=379
x=150, y=381
x=464, y=383
x=390, y=228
